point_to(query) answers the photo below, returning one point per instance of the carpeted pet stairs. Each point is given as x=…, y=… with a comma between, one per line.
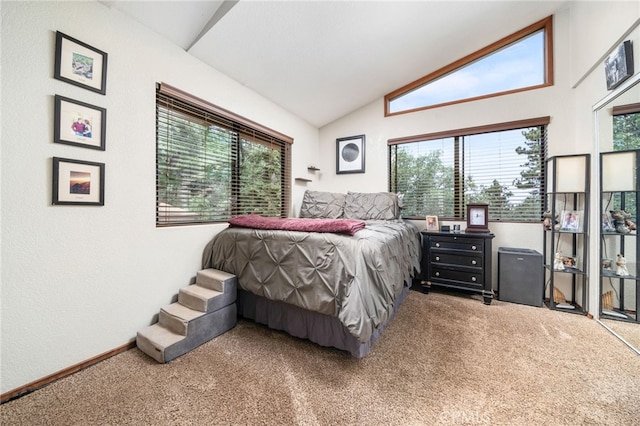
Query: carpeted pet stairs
x=203, y=311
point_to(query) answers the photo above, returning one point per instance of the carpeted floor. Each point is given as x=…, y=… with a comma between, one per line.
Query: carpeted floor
x=444, y=360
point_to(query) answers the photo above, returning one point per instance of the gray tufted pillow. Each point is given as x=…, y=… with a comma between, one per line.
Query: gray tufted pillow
x=371, y=206
x=322, y=205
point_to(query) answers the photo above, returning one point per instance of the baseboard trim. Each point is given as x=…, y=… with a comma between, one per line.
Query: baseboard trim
x=40, y=383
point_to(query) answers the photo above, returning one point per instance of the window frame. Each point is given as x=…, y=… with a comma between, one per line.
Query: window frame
x=545, y=24
x=459, y=190
x=243, y=129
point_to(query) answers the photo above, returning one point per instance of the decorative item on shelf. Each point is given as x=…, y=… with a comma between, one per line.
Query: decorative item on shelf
x=607, y=223
x=571, y=221
x=558, y=264
x=621, y=222
x=621, y=265
x=478, y=217
x=606, y=264
x=607, y=300
x=547, y=222
x=558, y=296
x=570, y=262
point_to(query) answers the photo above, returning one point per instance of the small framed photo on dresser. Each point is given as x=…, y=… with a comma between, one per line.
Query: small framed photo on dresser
x=432, y=223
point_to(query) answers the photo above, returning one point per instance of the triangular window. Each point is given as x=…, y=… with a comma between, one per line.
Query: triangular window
x=521, y=61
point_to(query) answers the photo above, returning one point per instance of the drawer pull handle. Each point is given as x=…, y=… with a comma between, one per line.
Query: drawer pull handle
x=473, y=247
x=473, y=279
x=437, y=244
x=438, y=258
x=473, y=262
x=437, y=274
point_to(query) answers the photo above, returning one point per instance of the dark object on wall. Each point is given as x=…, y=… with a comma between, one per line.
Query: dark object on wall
x=79, y=64
x=350, y=154
x=520, y=277
x=79, y=123
x=619, y=65
x=77, y=182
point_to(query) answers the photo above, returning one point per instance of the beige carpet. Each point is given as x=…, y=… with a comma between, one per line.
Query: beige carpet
x=444, y=360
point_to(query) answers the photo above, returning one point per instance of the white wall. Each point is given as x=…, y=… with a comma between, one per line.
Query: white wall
x=80, y=281
x=583, y=33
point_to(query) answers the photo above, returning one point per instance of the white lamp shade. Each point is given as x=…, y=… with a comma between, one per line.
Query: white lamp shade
x=570, y=173
x=619, y=171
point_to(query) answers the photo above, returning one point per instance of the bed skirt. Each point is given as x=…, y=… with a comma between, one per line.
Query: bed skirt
x=319, y=328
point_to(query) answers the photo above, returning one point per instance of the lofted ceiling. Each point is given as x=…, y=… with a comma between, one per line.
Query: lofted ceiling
x=321, y=60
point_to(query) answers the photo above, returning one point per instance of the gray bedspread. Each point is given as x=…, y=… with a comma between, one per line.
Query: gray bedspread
x=354, y=278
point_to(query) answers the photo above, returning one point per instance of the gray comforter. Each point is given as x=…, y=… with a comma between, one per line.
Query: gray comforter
x=354, y=278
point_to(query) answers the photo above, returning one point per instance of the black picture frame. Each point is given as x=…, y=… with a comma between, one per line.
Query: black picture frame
x=79, y=64
x=78, y=183
x=350, y=154
x=618, y=66
x=79, y=123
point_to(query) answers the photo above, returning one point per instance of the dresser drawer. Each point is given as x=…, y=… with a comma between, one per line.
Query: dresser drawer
x=456, y=243
x=473, y=260
x=467, y=279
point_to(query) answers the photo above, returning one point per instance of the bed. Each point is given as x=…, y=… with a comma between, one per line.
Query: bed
x=337, y=288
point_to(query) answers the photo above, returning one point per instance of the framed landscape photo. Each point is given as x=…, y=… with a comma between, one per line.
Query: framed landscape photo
x=77, y=182
x=78, y=123
x=80, y=64
x=618, y=66
x=350, y=154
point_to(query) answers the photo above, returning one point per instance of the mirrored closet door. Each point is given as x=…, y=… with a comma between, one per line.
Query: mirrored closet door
x=618, y=138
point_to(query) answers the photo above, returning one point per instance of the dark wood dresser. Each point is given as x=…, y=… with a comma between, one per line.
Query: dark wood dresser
x=458, y=261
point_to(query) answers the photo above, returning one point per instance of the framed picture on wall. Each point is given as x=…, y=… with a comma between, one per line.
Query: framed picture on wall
x=77, y=182
x=78, y=123
x=618, y=66
x=350, y=154
x=80, y=64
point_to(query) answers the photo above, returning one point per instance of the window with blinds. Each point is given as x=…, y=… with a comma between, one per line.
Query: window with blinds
x=212, y=165
x=502, y=165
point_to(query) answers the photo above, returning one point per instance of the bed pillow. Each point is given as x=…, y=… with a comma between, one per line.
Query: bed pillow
x=371, y=206
x=322, y=205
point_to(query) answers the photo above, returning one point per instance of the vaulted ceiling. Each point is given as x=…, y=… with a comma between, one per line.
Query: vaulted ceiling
x=321, y=60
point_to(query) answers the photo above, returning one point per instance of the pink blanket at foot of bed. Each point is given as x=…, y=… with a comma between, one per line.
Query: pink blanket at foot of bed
x=337, y=226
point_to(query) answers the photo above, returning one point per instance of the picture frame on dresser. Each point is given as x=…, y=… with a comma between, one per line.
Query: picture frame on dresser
x=79, y=123
x=80, y=64
x=432, y=223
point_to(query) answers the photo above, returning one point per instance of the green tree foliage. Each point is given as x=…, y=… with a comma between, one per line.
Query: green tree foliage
x=426, y=182
x=626, y=132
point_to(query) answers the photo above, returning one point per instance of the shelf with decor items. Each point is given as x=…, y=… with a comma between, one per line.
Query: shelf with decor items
x=566, y=238
x=619, y=243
